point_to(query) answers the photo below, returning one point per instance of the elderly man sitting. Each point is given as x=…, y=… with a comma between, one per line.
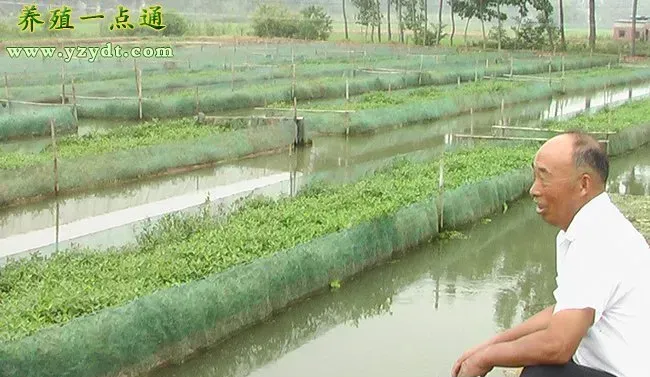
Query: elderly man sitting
x=600, y=323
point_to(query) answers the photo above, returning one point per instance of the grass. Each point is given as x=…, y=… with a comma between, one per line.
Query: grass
x=382, y=99
x=120, y=138
x=38, y=292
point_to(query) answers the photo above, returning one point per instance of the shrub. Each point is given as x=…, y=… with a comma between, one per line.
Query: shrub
x=315, y=24
x=277, y=21
x=176, y=25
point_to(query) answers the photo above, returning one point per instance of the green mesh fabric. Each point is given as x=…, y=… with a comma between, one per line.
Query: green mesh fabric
x=89, y=171
x=218, y=99
x=471, y=202
x=35, y=122
x=170, y=324
x=629, y=139
x=373, y=119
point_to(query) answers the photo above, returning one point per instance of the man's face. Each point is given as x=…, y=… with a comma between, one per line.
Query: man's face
x=556, y=188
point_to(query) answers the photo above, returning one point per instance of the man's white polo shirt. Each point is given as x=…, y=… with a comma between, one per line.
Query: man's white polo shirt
x=603, y=263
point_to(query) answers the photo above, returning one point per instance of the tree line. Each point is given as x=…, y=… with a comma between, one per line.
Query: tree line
x=412, y=15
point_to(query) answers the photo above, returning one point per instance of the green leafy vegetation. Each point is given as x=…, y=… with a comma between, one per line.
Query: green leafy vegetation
x=37, y=292
x=121, y=138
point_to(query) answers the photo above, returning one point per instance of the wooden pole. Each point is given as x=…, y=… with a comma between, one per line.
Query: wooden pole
x=7, y=93
x=550, y=73
x=563, y=66
x=459, y=81
x=63, y=84
x=232, y=76
x=295, y=108
x=512, y=66
x=55, y=158
x=74, y=102
x=441, y=189
x=471, y=124
x=347, y=89
x=58, y=221
x=476, y=71
x=135, y=71
x=503, y=104
x=293, y=82
x=196, y=97
x=140, y=92
x=421, y=65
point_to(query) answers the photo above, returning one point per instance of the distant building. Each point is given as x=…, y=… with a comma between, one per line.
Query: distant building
x=623, y=29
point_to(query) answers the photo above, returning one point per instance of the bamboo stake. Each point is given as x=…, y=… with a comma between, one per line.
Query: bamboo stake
x=441, y=188
x=459, y=81
x=421, y=64
x=550, y=73
x=512, y=66
x=232, y=76
x=55, y=158
x=63, y=84
x=295, y=108
x=74, y=102
x=503, y=103
x=347, y=89
x=140, y=92
x=7, y=93
x=58, y=221
x=471, y=124
x=293, y=82
x=198, y=108
x=135, y=71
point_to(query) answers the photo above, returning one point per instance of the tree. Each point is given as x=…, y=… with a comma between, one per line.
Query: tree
x=390, y=37
x=345, y=20
x=439, y=23
x=316, y=24
x=368, y=14
x=634, y=9
x=592, y=24
x=563, y=38
x=484, y=10
x=378, y=16
x=453, y=22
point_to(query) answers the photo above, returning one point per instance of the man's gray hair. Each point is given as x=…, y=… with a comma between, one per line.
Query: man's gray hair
x=588, y=153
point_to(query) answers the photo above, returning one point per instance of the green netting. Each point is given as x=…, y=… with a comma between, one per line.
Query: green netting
x=414, y=112
x=25, y=123
x=93, y=170
x=471, y=202
x=629, y=139
x=216, y=100
x=170, y=324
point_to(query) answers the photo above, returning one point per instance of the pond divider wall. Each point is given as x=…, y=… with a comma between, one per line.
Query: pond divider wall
x=371, y=120
x=94, y=170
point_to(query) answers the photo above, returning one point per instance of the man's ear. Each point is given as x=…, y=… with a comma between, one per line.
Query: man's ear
x=586, y=183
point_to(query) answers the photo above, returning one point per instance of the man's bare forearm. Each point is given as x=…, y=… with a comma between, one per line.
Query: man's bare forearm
x=533, y=324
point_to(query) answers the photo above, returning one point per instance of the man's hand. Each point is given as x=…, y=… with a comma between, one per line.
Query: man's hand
x=466, y=355
x=474, y=366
